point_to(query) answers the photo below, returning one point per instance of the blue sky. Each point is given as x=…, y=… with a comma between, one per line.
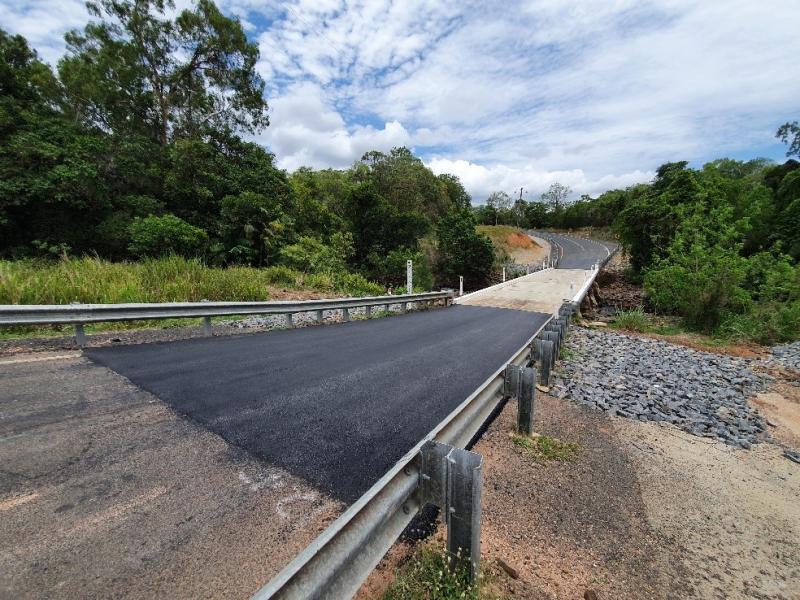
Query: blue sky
x=595, y=95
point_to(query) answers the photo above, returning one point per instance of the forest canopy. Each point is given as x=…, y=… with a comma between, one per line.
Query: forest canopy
x=135, y=147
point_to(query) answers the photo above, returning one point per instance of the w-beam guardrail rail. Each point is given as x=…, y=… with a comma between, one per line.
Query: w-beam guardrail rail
x=80, y=314
x=437, y=471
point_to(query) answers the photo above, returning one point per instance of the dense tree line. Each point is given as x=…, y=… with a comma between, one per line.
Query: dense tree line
x=133, y=148
x=718, y=246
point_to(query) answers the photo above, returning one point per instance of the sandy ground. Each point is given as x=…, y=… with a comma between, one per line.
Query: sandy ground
x=87, y=460
x=533, y=255
x=645, y=511
x=543, y=291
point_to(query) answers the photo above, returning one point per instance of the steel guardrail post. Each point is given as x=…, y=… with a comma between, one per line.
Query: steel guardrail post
x=526, y=397
x=345, y=315
x=368, y=311
x=319, y=316
x=463, y=511
x=546, y=360
x=520, y=383
x=207, y=329
x=80, y=334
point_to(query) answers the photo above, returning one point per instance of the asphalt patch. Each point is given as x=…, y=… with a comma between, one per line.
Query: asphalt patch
x=337, y=405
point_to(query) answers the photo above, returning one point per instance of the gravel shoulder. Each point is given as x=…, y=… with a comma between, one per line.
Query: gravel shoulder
x=646, y=509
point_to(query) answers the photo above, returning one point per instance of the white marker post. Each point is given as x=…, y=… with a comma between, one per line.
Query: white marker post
x=504, y=274
x=460, y=285
x=409, y=277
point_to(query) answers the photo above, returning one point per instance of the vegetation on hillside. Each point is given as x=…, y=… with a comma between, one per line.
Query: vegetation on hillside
x=717, y=246
x=511, y=244
x=131, y=149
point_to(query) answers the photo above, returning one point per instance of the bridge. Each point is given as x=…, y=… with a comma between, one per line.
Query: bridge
x=202, y=467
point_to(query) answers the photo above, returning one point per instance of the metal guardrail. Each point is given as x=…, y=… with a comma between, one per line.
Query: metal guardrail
x=336, y=563
x=80, y=314
x=340, y=559
x=39, y=314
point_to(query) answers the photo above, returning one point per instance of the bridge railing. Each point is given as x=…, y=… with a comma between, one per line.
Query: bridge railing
x=79, y=314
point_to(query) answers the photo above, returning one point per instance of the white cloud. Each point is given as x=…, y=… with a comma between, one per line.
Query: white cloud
x=307, y=131
x=482, y=180
x=590, y=93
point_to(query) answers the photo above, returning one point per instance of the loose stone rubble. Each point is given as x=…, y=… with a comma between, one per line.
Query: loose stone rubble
x=303, y=319
x=788, y=355
x=700, y=392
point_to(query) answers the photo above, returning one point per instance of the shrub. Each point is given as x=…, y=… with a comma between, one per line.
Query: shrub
x=281, y=275
x=160, y=236
x=310, y=255
x=390, y=268
x=632, y=320
x=353, y=284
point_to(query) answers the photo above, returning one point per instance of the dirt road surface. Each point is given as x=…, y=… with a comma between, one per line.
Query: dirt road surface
x=106, y=492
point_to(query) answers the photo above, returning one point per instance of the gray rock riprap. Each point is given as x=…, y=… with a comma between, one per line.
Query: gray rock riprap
x=788, y=355
x=306, y=318
x=639, y=378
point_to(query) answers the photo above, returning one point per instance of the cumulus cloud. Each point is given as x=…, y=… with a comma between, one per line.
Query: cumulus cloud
x=481, y=180
x=308, y=131
x=592, y=94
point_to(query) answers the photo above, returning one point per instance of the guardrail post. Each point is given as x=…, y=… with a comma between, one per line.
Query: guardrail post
x=464, y=478
x=368, y=311
x=546, y=353
x=319, y=316
x=345, y=315
x=289, y=320
x=460, y=285
x=520, y=383
x=551, y=335
x=450, y=478
x=207, y=330
x=404, y=309
x=80, y=335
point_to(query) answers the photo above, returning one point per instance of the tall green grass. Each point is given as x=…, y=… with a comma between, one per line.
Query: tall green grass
x=170, y=279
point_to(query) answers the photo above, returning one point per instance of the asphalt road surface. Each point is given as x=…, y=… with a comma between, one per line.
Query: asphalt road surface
x=336, y=405
x=578, y=253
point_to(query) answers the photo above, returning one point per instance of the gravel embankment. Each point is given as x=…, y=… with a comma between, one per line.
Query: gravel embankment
x=788, y=355
x=305, y=318
x=650, y=380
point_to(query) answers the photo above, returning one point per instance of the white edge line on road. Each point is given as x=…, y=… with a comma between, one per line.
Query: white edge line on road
x=40, y=359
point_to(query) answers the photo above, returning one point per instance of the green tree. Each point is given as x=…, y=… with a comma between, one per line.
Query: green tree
x=407, y=184
x=500, y=204
x=462, y=251
x=252, y=229
x=139, y=70
x=160, y=236
x=789, y=133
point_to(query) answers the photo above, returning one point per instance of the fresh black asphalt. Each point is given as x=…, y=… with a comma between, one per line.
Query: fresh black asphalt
x=337, y=405
x=578, y=253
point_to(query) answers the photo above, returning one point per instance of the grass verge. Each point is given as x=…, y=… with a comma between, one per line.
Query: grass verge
x=168, y=279
x=426, y=576
x=91, y=280
x=671, y=329
x=545, y=447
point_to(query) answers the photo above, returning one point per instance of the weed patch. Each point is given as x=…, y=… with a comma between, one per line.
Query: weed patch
x=426, y=576
x=545, y=447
